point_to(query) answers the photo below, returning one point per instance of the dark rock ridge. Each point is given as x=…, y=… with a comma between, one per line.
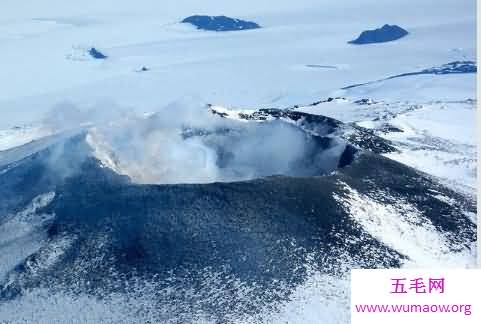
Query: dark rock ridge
x=318, y=125
x=449, y=68
x=456, y=67
x=219, y=23
x=96, y=54
x=384, y=34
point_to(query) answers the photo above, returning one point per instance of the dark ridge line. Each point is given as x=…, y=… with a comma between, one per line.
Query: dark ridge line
x=449, y=68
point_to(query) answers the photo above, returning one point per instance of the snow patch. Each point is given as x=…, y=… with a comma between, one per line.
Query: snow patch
x=403, y=228
x=21, y=234
x=21, y=135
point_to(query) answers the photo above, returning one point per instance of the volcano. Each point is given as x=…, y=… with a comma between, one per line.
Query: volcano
x=78, y=230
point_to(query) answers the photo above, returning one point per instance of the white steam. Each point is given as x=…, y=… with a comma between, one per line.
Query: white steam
x=185, y=143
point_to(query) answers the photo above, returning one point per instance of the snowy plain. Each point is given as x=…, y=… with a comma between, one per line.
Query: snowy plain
x=41, y=42
x=300, y=56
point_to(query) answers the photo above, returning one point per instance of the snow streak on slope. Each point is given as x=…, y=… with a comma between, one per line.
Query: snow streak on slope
x=22, y=234
x=402, y=227
x=436, y=137
x=439, y=139
x=321, y=298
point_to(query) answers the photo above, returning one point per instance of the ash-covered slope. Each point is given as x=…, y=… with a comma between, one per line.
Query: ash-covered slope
x=215, y=251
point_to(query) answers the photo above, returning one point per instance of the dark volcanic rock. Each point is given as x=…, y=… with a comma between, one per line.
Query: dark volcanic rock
x=97, y=54
x=219, y=23
x=386, y=33
x=456, y=67
x=319, y=125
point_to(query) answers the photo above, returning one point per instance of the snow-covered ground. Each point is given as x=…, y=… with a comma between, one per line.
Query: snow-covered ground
x=300, y=56
x=430, y=119
x=440, y=139
x=41, y=42
x=435, y=134
x=16, y=136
